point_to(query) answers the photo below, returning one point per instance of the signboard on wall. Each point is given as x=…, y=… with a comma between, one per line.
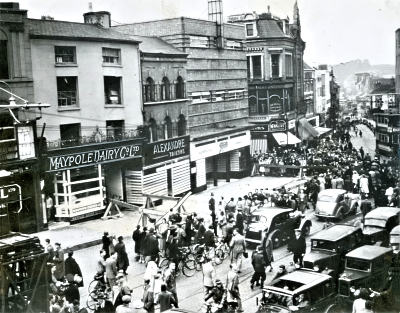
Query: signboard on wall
x=277, y=126
x=166, y=150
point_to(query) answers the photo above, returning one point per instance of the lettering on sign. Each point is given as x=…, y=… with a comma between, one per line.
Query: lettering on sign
x=275, y=107
x=10, y=193
x=166, y=150
x=63, y=162
x=279, y=125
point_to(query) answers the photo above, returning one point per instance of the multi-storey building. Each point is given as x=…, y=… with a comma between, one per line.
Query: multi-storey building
x=322, y=88
x=275, y=77
x=309, y=94
x=216, y=85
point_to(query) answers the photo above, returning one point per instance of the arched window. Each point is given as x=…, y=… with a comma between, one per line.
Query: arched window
x=153, y=130
x=181, y=125
x=149, y=90
x=165, y=89
x=167, y=128
x=3, y=56
x=179, y=88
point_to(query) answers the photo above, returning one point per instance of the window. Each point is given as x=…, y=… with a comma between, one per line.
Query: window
x=167, y=128
x=112, y=90
x=3, y=56
x=65, y=54
x=67, y=91
x=275, y=59
x=250, y=30
x=254, y=63
x=112, y=56
x=70, y=134
x=165, y=89
x=288, y=65
x=383, y=138
x=179, y=88
x=181, y=125
x=153, y=130
x=115, y=129
x=149, y=90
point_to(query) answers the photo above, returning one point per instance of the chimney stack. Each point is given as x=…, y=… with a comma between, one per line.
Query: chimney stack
x=215, y=15
x=101, y=18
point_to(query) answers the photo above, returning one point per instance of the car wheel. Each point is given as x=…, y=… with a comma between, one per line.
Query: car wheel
x=276, y=240
x=341, y=214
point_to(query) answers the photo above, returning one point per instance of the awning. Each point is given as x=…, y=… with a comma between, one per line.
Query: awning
x=306, y=130
x=322, y=130
x=287, y=138
x=258, y=145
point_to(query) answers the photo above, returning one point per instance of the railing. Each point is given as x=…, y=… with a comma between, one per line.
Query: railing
x=94, y=139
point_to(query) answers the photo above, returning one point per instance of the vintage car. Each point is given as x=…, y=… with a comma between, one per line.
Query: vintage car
x=298, y=291
x=336, y=204
x=395, y=239
x=365, y=267
x=277, y=223
x=329, y=247
x=378, y=223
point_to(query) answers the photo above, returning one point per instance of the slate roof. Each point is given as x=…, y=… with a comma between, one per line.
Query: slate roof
x=155, y=45
x=79, y=31
x=307, y=67
x=269, y=29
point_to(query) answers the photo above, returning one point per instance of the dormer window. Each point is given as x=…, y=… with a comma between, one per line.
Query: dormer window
x=251, y=30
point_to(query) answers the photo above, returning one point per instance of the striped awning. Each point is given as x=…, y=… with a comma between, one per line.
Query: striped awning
x=258, y=145
x=286, y=138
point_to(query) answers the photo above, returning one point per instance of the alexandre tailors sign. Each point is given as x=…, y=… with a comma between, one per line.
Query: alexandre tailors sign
x=165, y=150
x=118, y=151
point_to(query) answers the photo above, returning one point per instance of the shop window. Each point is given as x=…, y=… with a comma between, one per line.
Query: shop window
x=288, y=65
x=111, y=56
x=115, y=130
x=153, y=130
x=179, y=88
x=149, y=90
x=275, y=68
x=65, y=54
x=3, y=56
x=70, y=134
x=165, y=89
x=112, y=89
x=181, y=125
x=67, y=91
x=167, y=128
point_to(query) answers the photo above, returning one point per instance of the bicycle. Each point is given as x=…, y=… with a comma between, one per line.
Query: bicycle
x=97, y=293
x=186, y=265
x=222, y=251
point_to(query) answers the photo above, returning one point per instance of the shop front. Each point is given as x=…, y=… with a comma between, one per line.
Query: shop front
x=222, y=157
x=83, y=177
x=166, y=170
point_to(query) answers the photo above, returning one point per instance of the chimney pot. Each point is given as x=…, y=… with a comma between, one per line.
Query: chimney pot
x=102, y=18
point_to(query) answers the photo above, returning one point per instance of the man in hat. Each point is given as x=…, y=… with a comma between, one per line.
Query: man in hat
x=217, y=293
x=49, y=250
x=240, y=220
x=258, y=262
x=150, y=246
x=170, y=280
x=298, y=246
x=238, y=248
x=137, y=238
x=232, y=287
x=58, y=261
x=211, y=206
x=148, y=297
x=121, y=289
x=72, y=267
x=209, y=274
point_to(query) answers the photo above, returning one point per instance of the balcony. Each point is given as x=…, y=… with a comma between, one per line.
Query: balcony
x=97, y=138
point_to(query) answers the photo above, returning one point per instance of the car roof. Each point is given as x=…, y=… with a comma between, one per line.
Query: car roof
x=336, y=232
x=270, y=212
x=332, y=192
x=368, y=252
x=304, y=277
x=383, y=212
x=179, y=310
x=396, y=230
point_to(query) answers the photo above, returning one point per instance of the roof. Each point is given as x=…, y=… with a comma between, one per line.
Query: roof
x=383, y=212
x=307, y=67
x=269, y=29
x=332, y=192
x=66, y=30
x=335, y=233
x=155, y=45
x=368, y=252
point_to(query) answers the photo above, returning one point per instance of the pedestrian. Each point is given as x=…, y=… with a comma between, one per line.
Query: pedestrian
x=240, y=220
x=58, y=261
x=258, y=262
x=230, y=207
x=362, y=153
x=121, y=289
x=101, y=266
x=150, y=246
x=106, y=240
x=124, y=306
x=122, y=256
x=209, y=238
x=211, y=206
x=360, y=132
x=232, y=287
x=111, y=270
x=49, y=250
x=267, y=248
x=222, y=224
x=136, y=238
x=143, y=236
x=148, y=297
x=362, y=303
x=298, y=247
x=200, y=231
x=238, y=247
x=72, y=291
x=166, y=299
x=72, y=267
x=364, y=185
x=170, y=280
x=209, y=274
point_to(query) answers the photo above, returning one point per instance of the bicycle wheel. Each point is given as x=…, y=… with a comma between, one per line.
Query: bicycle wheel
x=219, y=256
x=198, y=261
x=164, y=264
x=189, y=268
x=92, y=286
x=91, y=302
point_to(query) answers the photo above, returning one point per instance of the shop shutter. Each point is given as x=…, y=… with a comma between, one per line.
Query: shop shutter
x=235, y=165
x=133, y=182
x=180, y=177
x=156, y=183
x=201, y=172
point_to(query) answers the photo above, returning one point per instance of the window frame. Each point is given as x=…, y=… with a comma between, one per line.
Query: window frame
x=5, y=56
x=254, y=29
x=72, y=105
x=57, y=55
x=251, y=67
x=104, y=55
x=165, y=89
x=272, y=54
x=287, y=54
x=107, y=96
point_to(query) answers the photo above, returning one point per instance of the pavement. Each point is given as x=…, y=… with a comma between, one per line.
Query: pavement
x=88, y=233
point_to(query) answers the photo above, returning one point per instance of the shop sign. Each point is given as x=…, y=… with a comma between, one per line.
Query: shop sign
x=10, y=193
x=165, y=150
x=259, y=118
x=384, y=147
x=98, y=156
x=292, y=124
x=275, y=107
x=277, y=126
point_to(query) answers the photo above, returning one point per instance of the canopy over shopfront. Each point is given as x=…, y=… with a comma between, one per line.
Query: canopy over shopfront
x=286, y=138
x=323, y=131
x=306, y=130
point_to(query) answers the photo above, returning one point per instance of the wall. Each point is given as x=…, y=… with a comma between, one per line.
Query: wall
x=92, y=111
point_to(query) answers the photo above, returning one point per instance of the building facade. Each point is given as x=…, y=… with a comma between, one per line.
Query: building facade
x=216, y=85
x=322, y=88
x=274, y=49
x=310, y=94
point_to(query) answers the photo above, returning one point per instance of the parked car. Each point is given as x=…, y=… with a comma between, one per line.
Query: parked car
x=366, y=267
x=284, y=294
x=336, y=204
x=278, y=223
x=395, y=239
x=378, y=223
x=329, y=247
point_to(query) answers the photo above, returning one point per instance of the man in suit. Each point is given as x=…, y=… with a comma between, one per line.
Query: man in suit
x=238, y=247
x=209, y=274
x=148, y=297
x=111, y=270
x=58, y=261
x=166, y=299
x=298, y=247
x=150, y=246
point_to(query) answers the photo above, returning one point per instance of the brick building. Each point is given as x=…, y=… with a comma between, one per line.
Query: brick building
x=216, y=85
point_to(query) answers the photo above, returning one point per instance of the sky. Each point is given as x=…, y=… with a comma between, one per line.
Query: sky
x=335, y=31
